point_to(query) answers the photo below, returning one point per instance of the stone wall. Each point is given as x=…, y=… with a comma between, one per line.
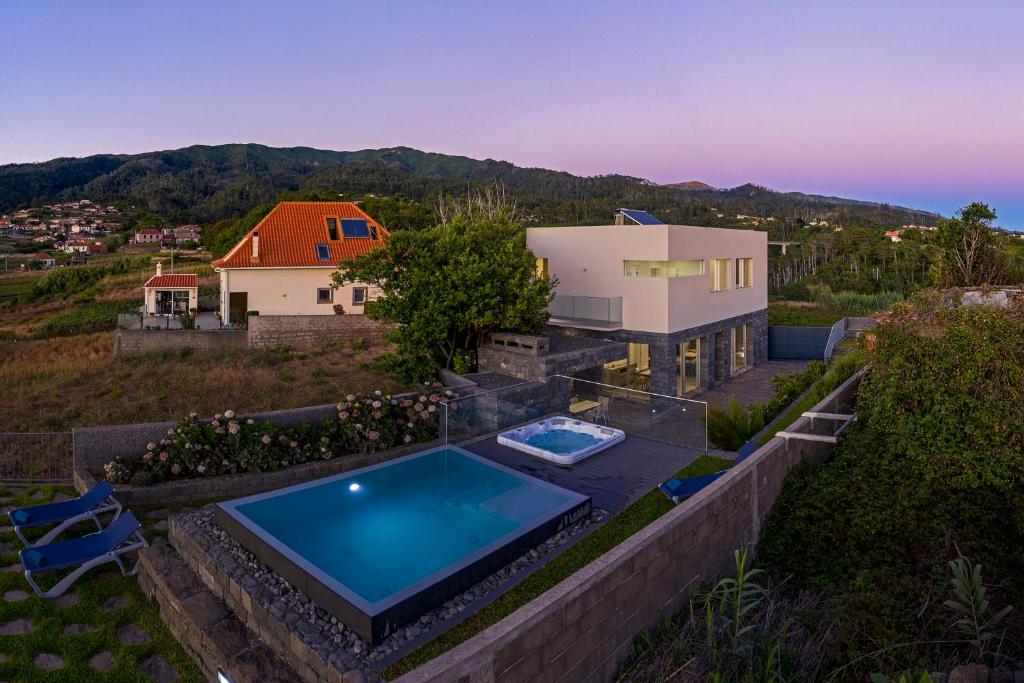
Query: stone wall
x=527, y=365
x=141, y=341
x=310, y=331
x=583, y=628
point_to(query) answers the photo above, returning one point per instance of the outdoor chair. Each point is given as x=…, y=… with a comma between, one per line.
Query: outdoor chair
x=124, y=535
x=678, y=489
x=98, y=500
x=601, y=411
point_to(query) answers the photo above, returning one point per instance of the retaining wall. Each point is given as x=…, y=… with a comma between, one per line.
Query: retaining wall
x=141, y=341
x=582, y=629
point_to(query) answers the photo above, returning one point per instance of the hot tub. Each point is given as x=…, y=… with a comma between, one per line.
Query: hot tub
x=562, y=440
x=379, y=546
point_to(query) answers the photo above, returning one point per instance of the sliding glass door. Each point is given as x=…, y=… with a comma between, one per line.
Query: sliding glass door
x=688, y=371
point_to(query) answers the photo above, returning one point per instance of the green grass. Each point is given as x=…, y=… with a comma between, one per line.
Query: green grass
x=50, y=619
x=17, y=288
x=87, y=317
x=613, y=532
x=802, y=316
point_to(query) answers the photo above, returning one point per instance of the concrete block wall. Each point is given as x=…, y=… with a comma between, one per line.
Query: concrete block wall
x=142, y=341
x=582, y=629
x=310, y=331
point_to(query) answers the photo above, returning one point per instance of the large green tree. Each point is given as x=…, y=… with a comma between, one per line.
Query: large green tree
x=448, y=286
x=971, y=253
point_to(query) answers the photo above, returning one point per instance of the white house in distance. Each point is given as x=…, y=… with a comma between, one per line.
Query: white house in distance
x=691, y=302
x=171, y=294
x=283, y=265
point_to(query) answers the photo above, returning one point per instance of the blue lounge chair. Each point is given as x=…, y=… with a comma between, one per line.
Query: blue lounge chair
x=678, y=489
x=108, y=545
x=90, y=505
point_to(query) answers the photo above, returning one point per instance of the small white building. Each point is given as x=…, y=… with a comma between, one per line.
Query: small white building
x=171, y=294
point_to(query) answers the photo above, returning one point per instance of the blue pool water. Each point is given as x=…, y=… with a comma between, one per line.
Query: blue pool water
x=562, y=440
x=381, y=530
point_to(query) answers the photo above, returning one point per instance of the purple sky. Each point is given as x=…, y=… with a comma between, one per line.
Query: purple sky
x=920, y=104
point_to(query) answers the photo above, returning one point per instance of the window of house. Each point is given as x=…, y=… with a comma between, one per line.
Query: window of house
x=332, y=228
x=323, y=253
x=719, y=274
x=358, y=296
x=677, y=268
x=740, y=340
x=542, y=268
x=744, y=272
x=324, y=295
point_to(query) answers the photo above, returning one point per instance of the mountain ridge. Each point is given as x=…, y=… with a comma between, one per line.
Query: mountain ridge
x=206, y=183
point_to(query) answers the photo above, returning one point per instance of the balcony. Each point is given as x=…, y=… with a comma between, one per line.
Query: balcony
x=587, y=312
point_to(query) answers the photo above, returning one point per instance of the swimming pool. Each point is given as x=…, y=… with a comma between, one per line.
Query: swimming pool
x=562, y=440
x=379, y=546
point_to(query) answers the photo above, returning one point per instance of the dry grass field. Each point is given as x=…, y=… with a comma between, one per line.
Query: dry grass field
x=50, y=382
x=56, y=384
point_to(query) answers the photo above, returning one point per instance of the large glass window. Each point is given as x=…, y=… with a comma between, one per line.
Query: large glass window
x=631, y=372
x=542, y=268
x=719, y=274
x=679, y=268
x=740, y=339
x=744, y=272
x=688, y=372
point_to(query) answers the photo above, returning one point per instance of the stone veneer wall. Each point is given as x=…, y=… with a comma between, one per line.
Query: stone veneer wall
x=583, y=628
x=714, y=356
x=527, y=366
x=308, y=331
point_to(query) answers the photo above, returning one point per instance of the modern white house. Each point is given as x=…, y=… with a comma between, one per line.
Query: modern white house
x=171, y=294
x=283, y=265
x=691, y=302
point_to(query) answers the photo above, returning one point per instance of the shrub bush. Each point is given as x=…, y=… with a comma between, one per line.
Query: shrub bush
x=229, y=443
x=934, y=463
x=729, y=428
x=93, y=317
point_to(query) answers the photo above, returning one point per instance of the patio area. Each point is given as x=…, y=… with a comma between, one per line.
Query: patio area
x=613, y=478
x=204, y=321
x=754, y=385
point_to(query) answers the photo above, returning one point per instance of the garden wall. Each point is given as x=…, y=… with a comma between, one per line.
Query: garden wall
x=141, y=341
x=582, y=629
x=309, y=331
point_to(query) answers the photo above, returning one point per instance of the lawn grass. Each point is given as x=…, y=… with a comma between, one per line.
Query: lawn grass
x=16, y=287
x=610, y=534
x=50, y=619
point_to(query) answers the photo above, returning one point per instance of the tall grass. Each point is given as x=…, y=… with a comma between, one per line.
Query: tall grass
x=729, y=428
x=853, y=303
x=64, y=282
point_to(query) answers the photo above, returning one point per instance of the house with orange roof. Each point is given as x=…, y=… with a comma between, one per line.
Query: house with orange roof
x=283, y=265
x=171, y=293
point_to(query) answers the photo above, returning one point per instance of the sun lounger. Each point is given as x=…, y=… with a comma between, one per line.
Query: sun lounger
x=124, y=535
x=678, y=489
x=90, y=505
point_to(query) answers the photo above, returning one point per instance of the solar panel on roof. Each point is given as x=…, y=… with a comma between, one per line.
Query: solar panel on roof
x=354, y=227
x=640, y=217
x=322, y=252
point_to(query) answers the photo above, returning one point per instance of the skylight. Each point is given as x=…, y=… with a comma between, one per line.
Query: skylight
x=322, y=252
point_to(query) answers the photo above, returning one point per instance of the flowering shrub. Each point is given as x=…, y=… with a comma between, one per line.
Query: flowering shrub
x=229, y=443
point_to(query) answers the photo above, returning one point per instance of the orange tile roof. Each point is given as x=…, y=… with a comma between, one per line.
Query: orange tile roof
x=288, y=236
x=173, y=280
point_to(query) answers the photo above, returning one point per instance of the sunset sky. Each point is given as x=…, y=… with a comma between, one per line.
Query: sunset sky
x=913, y=103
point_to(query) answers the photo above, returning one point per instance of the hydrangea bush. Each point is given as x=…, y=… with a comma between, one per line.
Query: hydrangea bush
x=230, y=443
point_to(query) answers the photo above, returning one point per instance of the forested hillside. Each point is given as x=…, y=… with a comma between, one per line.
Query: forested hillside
x=206, y=184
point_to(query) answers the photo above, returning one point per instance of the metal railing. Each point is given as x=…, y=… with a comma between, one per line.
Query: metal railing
x=36, y=457
x=837, y=335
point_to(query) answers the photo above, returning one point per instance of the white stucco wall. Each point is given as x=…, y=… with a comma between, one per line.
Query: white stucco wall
x=284, y=291
x=588, y=261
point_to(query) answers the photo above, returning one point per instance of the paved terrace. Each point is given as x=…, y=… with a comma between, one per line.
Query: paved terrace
x=753, y=385
x=613, y=478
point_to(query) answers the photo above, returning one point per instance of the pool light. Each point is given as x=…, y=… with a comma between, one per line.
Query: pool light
x=353, y=487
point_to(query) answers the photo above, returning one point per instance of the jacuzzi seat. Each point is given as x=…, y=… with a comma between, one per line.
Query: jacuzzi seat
x=518, y=439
